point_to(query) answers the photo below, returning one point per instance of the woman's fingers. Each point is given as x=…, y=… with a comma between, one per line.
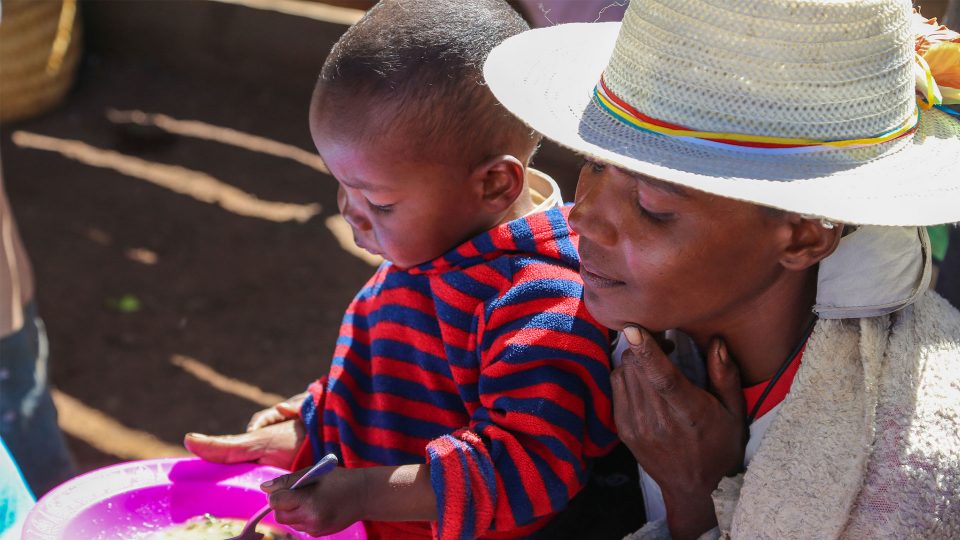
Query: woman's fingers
x=666, y=387
x=725, y=378
x=628, y=411
x=682, y=435
x=662, y=376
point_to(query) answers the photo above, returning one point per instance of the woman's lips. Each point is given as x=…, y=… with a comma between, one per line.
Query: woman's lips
x=597, y=280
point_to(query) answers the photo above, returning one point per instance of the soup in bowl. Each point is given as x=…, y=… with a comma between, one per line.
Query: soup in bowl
x=175, y=499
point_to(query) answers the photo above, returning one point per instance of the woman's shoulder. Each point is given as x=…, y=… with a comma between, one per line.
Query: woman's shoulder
x=924, y=344
x=913, y=475
x=921, y=368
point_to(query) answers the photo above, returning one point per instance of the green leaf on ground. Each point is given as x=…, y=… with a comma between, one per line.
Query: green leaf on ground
x=127, y=303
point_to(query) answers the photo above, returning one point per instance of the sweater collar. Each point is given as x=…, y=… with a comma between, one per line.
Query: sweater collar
x=543, y=232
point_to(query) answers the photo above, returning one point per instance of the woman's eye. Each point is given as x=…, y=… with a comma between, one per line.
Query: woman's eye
x=651, y=215
x=659, y=217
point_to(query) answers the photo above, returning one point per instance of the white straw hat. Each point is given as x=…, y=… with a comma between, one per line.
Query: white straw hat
x=781, y=103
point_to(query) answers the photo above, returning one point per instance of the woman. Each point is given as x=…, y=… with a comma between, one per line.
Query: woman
x=756, y=180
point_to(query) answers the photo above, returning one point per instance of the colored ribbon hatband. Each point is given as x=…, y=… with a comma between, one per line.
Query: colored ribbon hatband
x=952, y=112
x=928, y=92
x=760, y=144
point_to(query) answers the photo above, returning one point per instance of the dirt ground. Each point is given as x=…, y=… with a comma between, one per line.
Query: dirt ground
x=166, y=313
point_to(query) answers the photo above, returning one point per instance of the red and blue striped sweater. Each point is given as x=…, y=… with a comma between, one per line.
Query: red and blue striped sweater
x=483, y=363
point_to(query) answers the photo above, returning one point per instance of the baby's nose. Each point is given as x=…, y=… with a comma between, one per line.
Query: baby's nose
x=350, y=212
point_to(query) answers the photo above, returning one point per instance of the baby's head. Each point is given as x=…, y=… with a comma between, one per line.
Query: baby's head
x=424, y=154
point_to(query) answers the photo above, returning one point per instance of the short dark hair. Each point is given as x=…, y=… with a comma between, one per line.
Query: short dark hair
x=416, y=67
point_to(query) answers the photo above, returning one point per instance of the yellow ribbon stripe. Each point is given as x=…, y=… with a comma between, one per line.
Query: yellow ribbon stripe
x=930, y=96
x=626, y=116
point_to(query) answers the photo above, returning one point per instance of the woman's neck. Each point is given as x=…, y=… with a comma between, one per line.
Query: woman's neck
x=761, y=333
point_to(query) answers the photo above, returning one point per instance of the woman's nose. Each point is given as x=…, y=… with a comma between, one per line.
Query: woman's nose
x=350, y=212
x=593, y=209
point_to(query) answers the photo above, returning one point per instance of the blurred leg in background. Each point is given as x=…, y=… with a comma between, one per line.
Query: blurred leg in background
x=37, y=66
x=28, y=419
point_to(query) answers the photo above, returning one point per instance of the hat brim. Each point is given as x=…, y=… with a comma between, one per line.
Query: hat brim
x=546, y=78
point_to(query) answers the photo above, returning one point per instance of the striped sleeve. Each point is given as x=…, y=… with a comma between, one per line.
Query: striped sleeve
x=544, y=409
x=311, y=414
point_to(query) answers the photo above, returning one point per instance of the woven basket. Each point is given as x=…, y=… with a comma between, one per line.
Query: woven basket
x=40, y=47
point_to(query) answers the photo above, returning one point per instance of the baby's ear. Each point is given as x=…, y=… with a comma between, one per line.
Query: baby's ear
x=501, y=179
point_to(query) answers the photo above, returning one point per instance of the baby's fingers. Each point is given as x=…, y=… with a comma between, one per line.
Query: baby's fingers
x=296, y=518
x=286, y=501
x=224, y=448
x=307, y=518
x=264, y=418
x=274, y=415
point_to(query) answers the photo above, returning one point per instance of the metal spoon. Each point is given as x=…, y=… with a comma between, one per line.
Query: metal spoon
x=322, y=467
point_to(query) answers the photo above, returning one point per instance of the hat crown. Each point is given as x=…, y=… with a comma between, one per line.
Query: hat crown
x=813, y=69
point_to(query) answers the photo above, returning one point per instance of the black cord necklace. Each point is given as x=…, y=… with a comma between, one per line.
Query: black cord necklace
x=783, y=368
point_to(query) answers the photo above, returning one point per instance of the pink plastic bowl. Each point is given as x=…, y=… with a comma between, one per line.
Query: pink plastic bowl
x=131, y=500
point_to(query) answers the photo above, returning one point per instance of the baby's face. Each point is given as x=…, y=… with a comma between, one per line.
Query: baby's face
x=408, y=210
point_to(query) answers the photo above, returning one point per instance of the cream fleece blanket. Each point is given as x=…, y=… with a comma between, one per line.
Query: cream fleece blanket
x=867, y=442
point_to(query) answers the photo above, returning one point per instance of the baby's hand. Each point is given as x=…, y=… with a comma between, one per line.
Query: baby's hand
x=329, y=506
x=274, y=445
x=285, y=410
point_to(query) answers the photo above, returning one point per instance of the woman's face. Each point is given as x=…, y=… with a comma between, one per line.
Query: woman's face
x=662, y=256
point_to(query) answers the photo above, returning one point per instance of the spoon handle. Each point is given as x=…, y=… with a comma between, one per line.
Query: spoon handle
x=325, y=465
x=249, y=530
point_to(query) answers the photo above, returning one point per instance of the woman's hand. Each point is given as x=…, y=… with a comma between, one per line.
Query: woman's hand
x=686, y=438
x=275, y=445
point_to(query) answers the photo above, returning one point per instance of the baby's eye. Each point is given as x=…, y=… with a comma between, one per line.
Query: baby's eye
x=380, y=208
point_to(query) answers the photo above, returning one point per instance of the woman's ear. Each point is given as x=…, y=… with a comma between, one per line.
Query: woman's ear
x=501, y=180
x=809, y=241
